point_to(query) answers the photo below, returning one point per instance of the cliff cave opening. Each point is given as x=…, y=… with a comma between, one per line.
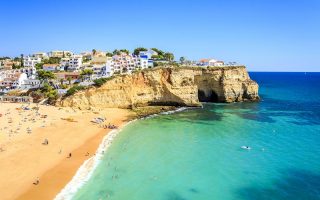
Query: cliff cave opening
x=211, y=96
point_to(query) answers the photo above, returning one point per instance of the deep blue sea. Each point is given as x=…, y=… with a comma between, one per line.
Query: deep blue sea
x=196, y=154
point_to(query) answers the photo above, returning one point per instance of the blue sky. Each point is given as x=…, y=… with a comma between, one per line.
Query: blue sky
x=265, y=35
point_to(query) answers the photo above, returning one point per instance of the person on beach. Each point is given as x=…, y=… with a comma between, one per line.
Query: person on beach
x=37, y=181
x=69, y=155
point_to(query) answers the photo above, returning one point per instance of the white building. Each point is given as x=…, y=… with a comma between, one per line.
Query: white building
x=60, y=54
x=210, y=62
x=101, y=66
x=64, y=62
x=86, y=55
x=124, y=63
x=12, y=81
x=74, y=63
x=142, y=63
x=30, y=71
x=30, y=84
x=108, y=70
x=41, y=55
x=30, y=61
x=216, y=63
x=148, y=54
x=51, y=67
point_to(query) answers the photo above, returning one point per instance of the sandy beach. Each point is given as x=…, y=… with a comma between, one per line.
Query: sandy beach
x=25, y=157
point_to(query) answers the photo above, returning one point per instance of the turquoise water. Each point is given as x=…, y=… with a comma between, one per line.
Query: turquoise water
x=196, y=154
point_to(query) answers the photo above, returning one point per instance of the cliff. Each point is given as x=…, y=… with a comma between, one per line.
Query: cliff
x=187, y=86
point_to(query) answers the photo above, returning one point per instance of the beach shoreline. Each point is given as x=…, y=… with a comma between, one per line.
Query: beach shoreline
x=48, y=189
x=67, y=130
x=84, y=173
x=87, y=168
x=25, y=158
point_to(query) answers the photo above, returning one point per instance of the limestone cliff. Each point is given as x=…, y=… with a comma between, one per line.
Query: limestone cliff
x=187, y=86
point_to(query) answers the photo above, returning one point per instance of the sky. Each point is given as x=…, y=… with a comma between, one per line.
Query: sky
x=264, y=35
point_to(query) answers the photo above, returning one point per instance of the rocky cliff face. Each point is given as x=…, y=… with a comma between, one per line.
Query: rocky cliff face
x=186, y=86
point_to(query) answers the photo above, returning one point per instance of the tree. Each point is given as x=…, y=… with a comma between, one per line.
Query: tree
x=21, y=60
x=116, y=52
x=155, y=57
x=87, y=73
x=4, y=58
x=159, y=52
x=85, y=60
x=69, y=80
x=17, y=59
x=169, y=56
x=160, y=55
x=125, y=51
x=49, y=92
x=54, y=60
x=51, y=60
x=94, y=52
x=45, y=75
x=137, y=50
x=39, y=66
x=15, y=66
x=124, y=70
x=61, y=81
x=108, y=54
x=75, y=89
x=182, y=60
x=100, y=81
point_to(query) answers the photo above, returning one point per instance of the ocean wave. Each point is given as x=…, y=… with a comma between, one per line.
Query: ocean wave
x=174, y=111
x=166, y=113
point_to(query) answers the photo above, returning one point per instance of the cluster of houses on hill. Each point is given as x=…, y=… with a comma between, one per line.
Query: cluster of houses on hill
x=68, y=66
x=22, y=79
x=99, y=62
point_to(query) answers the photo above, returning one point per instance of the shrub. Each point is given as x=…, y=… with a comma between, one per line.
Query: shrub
x=52, y=96
x=100, y=81
x=63, y=86
x=75, y=89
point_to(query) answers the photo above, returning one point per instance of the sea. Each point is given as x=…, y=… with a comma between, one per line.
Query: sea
x=225, y=151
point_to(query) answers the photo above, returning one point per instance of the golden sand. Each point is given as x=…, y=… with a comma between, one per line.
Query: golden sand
x=23, y=157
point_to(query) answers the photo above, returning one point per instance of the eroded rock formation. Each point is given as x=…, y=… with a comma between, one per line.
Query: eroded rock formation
x=187, y=86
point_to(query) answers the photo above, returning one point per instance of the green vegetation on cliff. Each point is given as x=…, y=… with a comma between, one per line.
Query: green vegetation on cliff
x=75, y=89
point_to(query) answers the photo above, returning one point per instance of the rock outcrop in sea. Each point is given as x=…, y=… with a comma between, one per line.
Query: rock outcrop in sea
x=184, y=86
